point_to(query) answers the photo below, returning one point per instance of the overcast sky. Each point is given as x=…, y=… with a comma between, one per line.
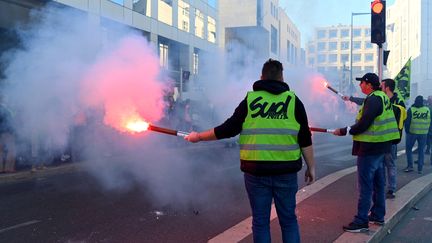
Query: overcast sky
x=309, y=14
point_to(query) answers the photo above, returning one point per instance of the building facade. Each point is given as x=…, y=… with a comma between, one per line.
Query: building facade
x=409, y=35
x=262, y=27
x=330, y=54
x=181, y=29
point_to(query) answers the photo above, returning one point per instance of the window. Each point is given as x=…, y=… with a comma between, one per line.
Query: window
x=344, y=58
x=183, y=15
x=322, y=46
x=199, y=24
x=333, y=33
x=367, y=32
x=212, y=3
x=211, y=29
x=288, y=51
x=321, y=34
x=121, y=2
x=274, y=40
x=321, y=69
x=332, y=58
x=357, y=32
x=311, y=61
x=344, y=45
x=344, y=32
x=163, y=55
x=321, y=58
x=165, y=11
x=356, y=45
x=142, y=7
x=368, y=45
x=369, y=69
x=311, y=49
x=369, y=57
x=333, y=46
x=356, y=57
x=195, y=60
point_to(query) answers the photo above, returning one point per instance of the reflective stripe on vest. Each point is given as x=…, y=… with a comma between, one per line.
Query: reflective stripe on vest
x=420, y=120
x=384, y=127
x=270, y=130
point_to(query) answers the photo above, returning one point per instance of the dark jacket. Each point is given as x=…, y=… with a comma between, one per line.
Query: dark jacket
x=233, y=126
x=373, y=107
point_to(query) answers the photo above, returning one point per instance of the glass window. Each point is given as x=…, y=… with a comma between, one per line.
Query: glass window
x=333, y=33
x=322, y=46
x=332, y=58
x=274, y=39
x=311, y=61
x=322, y=34
x=333, y=46
x=199, y=24
x=344, y=45
x=357, y=58
x=163, y=55
x=321, y=69
x=211, y=29
x=369, y=57
x=142, y=7
x=344, y=58
x=311, y=49
x=367, y=32
x=195, y=60
x=165, y=11
x=357, y=32
x=368, y=45
x=183, y=15
x=288, y=51
x=344, y=32
x=369, y=69
x=321, y=58
x=356, y=45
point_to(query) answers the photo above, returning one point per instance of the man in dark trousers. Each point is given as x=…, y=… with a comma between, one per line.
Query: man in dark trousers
x=373, y=132
x=388, y=86
x=416, y=129
x=274, y=134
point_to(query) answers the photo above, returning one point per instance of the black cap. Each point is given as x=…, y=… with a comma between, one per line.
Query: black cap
x=371, y=78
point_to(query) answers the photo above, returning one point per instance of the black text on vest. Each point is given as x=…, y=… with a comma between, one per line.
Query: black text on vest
x=275, y=111
x=420, y=115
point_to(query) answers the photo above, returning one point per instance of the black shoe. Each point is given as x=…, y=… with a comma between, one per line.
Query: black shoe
x=427, y=152
x=356, y=228
x=390, y=194
x=376, y=222
x=416, y=162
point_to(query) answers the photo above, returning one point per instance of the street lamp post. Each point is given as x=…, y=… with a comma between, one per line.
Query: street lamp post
x=351, y=45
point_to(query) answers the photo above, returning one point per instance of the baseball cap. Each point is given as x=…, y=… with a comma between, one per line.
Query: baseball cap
x=371, y=78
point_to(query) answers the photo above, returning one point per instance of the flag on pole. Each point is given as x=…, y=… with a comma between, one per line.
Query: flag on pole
x=402, y=81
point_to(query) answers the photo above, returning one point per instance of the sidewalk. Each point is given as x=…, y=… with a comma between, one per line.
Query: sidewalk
x=322, y=215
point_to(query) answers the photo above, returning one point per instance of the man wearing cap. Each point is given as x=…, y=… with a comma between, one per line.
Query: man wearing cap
x=373, y=132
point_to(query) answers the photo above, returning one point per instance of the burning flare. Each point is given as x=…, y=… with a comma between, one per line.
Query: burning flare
x=137, y=125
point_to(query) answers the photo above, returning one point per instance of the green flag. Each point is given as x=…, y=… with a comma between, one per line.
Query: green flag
x=402, y=81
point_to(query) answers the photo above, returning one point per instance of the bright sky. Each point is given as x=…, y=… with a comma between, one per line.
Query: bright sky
x=308, y=14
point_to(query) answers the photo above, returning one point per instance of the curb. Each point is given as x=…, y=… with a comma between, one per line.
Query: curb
x=396, y=208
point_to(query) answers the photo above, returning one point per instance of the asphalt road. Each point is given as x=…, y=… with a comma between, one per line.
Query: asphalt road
x=174, y=192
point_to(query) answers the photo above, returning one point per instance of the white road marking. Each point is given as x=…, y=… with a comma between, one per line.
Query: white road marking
x=19, y=225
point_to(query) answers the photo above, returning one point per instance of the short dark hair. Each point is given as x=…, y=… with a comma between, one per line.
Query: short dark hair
x=272, y=69
x=390, y=83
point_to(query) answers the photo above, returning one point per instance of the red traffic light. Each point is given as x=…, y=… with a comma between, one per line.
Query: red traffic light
x=377, y=6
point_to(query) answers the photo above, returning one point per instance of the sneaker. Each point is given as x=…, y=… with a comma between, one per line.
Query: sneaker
x=376, y=222
x=390, y=194
x=420, y=172
x=356, y=228
x=407, y=169
x=427, y=152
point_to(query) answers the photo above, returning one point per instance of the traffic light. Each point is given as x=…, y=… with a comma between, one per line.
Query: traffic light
x=378, y=21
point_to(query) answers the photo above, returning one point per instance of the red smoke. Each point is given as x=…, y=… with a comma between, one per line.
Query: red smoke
x=125, y=85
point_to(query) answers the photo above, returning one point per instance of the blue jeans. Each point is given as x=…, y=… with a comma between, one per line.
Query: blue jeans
x=261, y=190
x=371, y=185
x=410, y=140
x=390, y=164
